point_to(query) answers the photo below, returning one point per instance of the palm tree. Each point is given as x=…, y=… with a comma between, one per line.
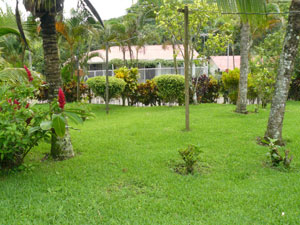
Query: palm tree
x=286, y=68
x=74, y=32
x=249, y=10
x=47, y=10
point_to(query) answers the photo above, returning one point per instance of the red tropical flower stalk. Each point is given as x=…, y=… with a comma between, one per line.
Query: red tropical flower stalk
x=30, y=78
x=61, y=98
x=16, y=102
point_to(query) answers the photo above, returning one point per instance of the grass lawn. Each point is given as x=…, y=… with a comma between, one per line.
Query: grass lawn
x=122, y=172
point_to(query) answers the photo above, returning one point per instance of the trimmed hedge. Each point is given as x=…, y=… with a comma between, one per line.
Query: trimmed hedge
x=116, y=86
x=170, y=88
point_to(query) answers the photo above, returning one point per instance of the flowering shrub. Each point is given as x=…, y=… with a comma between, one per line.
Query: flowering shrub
x=18, y=122
x=148, y=93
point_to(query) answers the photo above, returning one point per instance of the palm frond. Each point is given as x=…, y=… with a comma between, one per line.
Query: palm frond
x=94, y=11
x=251, y=11
x=18, y=75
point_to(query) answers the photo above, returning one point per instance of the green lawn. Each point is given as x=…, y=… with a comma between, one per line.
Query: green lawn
x=122, y=172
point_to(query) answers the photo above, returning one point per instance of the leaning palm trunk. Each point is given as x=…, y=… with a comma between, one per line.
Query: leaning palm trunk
x=243, y=83
x=60, y=147
x=286, y=68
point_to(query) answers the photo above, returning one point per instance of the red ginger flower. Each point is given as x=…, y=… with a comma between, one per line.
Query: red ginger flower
x=30, y=78
x=61, y=98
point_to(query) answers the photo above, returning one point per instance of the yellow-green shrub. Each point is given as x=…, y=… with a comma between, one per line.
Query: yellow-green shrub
x=170, y=88
x=97, y=84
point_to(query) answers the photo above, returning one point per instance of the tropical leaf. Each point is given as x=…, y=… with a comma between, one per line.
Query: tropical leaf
x=18, y=75
x=46, y=125
x=74, y=117
x=251, y=11
x=8, y=30
x=59, y=125
x=94, y=11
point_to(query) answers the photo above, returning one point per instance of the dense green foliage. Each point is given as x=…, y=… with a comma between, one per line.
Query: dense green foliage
x=18, y=120
x=170, y=88
x=207, y=89
x=148, y=93
x=128, y=178
x=130, y=76
x=70, y=90
x=116, y=86
x=230, y=81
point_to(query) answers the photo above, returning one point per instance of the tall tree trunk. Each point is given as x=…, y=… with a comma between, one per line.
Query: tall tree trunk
x=286, y=68
x=51, y=67
x=124, y=56
x=175, y=58
x=243, y=83
x=60, y=147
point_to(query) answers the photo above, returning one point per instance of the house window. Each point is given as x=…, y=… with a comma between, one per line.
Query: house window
x=96, y=66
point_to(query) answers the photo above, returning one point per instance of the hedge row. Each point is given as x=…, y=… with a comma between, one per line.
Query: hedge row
x=164, y=88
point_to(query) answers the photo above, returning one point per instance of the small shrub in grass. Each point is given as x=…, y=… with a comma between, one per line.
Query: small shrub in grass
x=170, y=88
x=230, y=81
x=70, y=90
x=116, y=86
x=190, y=156
x=130, y=76
x=147, y=93
x=276, y=158
x=207, y=89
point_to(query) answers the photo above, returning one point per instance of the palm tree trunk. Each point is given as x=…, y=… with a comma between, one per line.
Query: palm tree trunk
x=60, y=147
x=243, y=83
x=286, y=68
x=51, y=67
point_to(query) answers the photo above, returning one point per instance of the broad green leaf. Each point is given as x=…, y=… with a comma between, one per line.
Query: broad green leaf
x=33, y=129
x=74, y=117
x=59, y=125
x=46, y=125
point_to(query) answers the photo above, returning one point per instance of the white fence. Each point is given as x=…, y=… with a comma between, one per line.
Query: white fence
x=150, y=73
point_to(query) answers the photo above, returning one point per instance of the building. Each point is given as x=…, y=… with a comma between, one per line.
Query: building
x=222, y=63
x=147, y=53
x=97, y=61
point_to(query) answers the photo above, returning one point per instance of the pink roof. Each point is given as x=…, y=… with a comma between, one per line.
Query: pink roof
x=222, y=62
x=149, y=52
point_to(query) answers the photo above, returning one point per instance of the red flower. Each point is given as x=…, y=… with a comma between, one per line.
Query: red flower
x=27, y=106
x=16, y=102
x=61, y=98
x=30, y=78
x=9, y=101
